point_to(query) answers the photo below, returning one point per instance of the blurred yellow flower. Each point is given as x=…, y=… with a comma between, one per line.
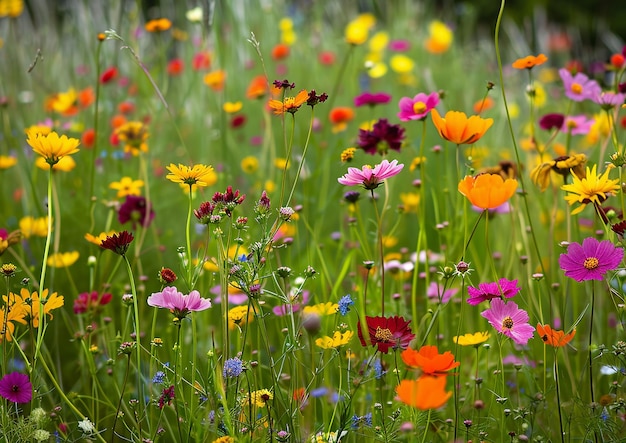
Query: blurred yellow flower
x=65, y=164
x=158, y=25
x=540, y=95
x=347, y=155
x=548, y=75
x=357, y=31
x=280, y=162
x=127, y=186
x=134, y=135
x=440, y=37
x=327, y=308
x=196, y=175
x=11, y=8
x=600, y=128
x=269, y=186
x=249, y=164
x=62, y=259
x=31, y=226
x=410, y=201
x=377, y=70
x=52, y=147
x=232, y=107
x=63, y=102
x=416, y=162
x=285, y=24
x=338, y=339
x=239, y=315
x=215, y=79
x=7, y=162
x=401, y=64
x=379, y=41
x=389, y=241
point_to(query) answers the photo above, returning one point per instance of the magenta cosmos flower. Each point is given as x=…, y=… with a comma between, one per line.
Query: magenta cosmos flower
x=591, y=260
x=418, y=107
x=609, y=100
x=509, y=320
x=371, y=99
x=16, y=388
x=503, y=288
x=577, y=124
x=180, y=305
x=579, y=87
x=371, y=178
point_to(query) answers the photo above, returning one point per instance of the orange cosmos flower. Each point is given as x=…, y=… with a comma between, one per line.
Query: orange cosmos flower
x=429, y=360
x=487, y=191
x=280, y=51
x=530, y=61
x=158, y=25
x=257, y=87
x=424, y=393
x=340, y=117
x=215, y=80
x=554, y=338
x=459, y=129
x=289, y=104
x=483, y=105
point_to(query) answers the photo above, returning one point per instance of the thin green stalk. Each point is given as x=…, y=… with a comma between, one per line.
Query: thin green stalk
x=558, y=394
x=426, y=427
x=133, y=291
x=94, y=150
x=188, y=242
x=381, y=251
x=119, y=404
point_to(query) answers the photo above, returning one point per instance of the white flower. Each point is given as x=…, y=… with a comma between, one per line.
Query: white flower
x=194, y=15
x=86, y=426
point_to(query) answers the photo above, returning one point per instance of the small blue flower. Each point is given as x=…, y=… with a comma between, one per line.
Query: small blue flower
x=233, y=367
x=159, y=378
x=378, y=369
x=344, y=304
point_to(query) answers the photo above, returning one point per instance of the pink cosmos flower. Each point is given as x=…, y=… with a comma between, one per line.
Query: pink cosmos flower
x=435, y=292
x=579, y=87
x=488, y=291
x=418, y=107
x=16, y=387
x=577, y=124
x=371, y=178
x=609, y=100
x=371, y=99
x=180, y=305
x=591, y=260
x=509, y=320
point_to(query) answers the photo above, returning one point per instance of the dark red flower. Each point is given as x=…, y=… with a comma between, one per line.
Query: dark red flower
x=108, y=75
x=91, y=301
x=314, y=99
x=237, y=121
x=381, y=138
x=16, y=387
x=228, y=200
x=551, y=121
x=175, y=67
x=166, y=397
x=134, y=209
x=371, y=99
x=118, y=243
x=166, y=276
x=387, y=332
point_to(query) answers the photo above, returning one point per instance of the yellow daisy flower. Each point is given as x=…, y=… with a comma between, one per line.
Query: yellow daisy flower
x=127, y=186
x=338, y=339
x=471, y=339
x=593, y=188
x=195, y=175
x=52, y=147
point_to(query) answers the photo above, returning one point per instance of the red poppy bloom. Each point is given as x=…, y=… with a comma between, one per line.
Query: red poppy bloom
x=429, y=360
x=326, y=58
x=280, y=51
x=88, y=138
x=201, y=61
x=175, y=67
x=108, y=75
x=387, y=332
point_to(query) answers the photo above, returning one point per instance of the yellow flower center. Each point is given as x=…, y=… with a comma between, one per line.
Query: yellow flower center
x=419, y=107
x=383, y=335
x=577, y=88
x=591, y=263
x=507, y=323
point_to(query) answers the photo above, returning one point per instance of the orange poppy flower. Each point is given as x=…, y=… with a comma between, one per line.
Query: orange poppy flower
x=554, y=338
x=483, y=105
x=530, y=61
x=340, y=117
x=257, y=87
x=289, y=104
x=429, y=360
x=158, y=25
x=487, y=191
x=459, y=129
x=424, y=393
x=280, y=51
x=215, y=79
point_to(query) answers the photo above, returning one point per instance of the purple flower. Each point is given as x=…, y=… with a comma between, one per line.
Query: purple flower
x=551, y=121
x=509, y=320
x=579, y=87
x=16, y=387
x=180, y=305
x=418, y=107
x=134, y=209
x=577, y=125
x=233, y=367
x=609, y=100
x=371, y=178
x=503, y=288
x=372, y=99
x=399, y=45
x=435, y=291
x=381, y=138
x=591, y=260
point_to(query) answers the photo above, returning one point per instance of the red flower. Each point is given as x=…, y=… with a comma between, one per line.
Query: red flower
x=166, y=397
x=387, y=332
x=91, y=301
x=429, y=360
x=280, y=51
x=108, y=75
x=118, y=243
x=175, y=67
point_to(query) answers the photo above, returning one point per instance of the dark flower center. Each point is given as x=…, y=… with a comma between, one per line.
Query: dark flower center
x=15, y=388
x=591, y=263
x=507, y=323
x=383, y=335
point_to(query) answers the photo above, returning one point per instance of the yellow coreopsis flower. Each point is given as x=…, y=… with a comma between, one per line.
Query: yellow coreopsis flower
x=7, y=162
x=249, y=164
x=31, y=303
x=327, y=308
x=592, y=188
x=31, y=226
x=198, y=175
x=232, y=107
x=52, y=147
x=259, y=398
x=471, y=339
x=127, y=186
x=238, y=316
x=134, y=135
x=338, y=339
x=64, y=164
x=62, y=259
x=97, y=240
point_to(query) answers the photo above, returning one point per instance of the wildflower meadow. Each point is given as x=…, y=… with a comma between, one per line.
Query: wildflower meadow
x=291, y=221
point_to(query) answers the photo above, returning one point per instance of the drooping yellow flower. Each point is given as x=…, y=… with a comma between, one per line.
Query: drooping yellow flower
x=327, y=308
x=16, y=314
x=564, y=165
x=7, y=162
x=338, y=339
x=195, y=175
x=487, y=191
x=65, y=164
x=31, y=226
x=63, y=259
x=593, y=188
x=238, y=316
x=471, y=339
x=127, y=186
x=459, y=129
x=52, y=147
x=134, y=135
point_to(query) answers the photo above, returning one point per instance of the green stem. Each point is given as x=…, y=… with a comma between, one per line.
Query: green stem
x=426, y=427
x=133, y=290
x=188, y=241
